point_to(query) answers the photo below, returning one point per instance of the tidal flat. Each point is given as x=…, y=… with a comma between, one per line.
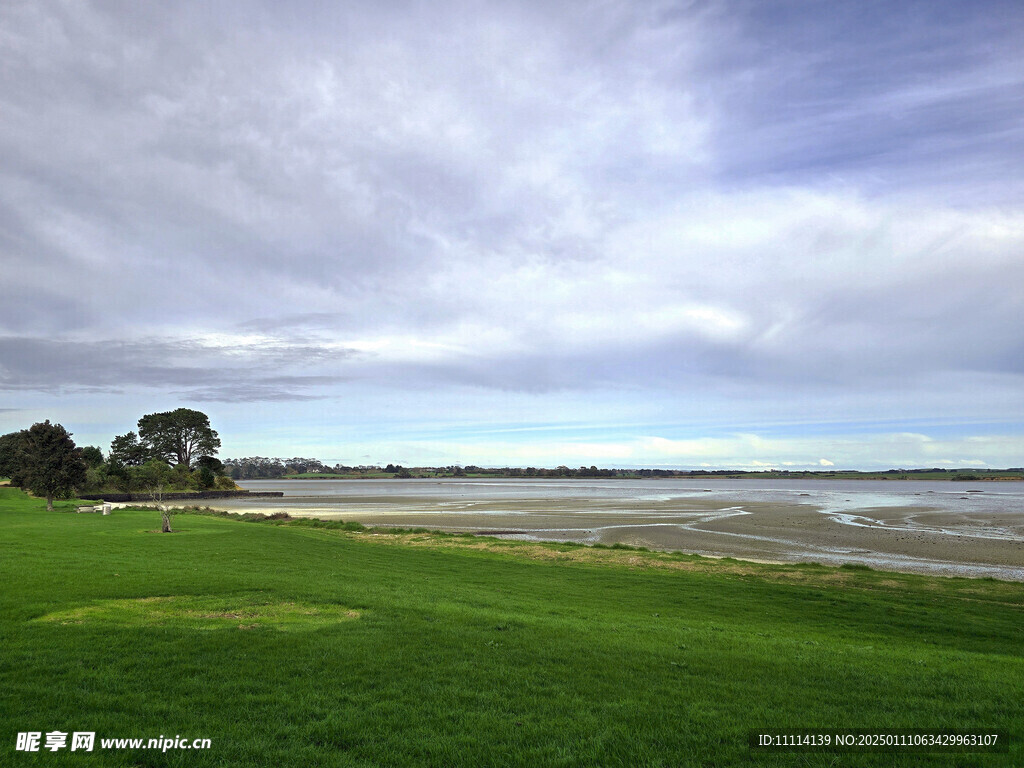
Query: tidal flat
x=922, y=527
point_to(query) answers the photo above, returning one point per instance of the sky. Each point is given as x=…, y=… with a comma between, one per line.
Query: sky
x=736, y=234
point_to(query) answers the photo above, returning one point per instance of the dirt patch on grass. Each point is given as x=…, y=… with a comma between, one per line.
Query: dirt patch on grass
x=205, y=612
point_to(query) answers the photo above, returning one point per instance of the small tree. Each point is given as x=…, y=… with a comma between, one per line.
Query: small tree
x=52, y=465
x=154, y=477
x=179, y=435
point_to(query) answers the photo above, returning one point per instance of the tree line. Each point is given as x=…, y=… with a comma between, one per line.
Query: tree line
x=172, y=451
x=260, y=467
x=264, y=468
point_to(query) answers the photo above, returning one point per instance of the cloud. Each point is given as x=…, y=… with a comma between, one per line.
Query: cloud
x=895, y=99
x=736, y=212
x=196, y=369
x=278, y=389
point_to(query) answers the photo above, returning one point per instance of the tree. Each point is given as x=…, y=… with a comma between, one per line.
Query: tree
x=12, y=459
x=52, y=465
x=215, y=465
x=96, y=478
x=179, y=435
x=153, y=478
x=254, y=467
x=92, y=456
x=127, y=451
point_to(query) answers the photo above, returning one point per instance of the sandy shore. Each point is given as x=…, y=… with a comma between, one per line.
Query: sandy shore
x=918, y=539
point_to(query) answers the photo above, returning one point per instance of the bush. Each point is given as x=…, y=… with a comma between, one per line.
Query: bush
x=225, y=483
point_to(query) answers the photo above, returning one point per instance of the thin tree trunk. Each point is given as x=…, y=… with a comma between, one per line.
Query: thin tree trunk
x=49, y=502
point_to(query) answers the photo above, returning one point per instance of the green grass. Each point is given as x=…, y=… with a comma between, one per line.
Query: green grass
x=289, y=644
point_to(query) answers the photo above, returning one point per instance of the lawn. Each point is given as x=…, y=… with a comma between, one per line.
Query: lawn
x=292, y=645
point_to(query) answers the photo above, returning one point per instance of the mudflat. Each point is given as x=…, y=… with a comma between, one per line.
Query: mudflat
x=956, y=535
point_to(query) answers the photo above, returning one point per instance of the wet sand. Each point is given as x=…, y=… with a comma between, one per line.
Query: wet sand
x=922, y=539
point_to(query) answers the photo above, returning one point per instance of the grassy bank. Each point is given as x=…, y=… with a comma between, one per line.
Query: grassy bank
x=290, y=644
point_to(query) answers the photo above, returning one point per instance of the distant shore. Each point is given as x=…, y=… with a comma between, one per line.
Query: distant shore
x=426, y=473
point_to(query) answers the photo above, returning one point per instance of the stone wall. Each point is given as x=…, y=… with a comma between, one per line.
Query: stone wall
x=172, y=497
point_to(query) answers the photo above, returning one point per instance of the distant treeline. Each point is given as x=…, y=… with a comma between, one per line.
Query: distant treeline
x=259, y=467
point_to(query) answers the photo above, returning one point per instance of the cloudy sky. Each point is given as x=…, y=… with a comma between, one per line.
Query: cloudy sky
x=625, y=232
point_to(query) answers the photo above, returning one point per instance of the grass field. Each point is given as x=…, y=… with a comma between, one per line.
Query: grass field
x=288, y=644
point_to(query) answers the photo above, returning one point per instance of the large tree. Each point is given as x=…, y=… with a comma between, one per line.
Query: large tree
x=179, y=436
x=51, y=464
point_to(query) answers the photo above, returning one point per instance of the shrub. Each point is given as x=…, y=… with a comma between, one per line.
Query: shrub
x=225, y=483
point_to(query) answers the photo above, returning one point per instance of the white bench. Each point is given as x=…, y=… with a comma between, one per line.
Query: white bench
x=103, y=508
